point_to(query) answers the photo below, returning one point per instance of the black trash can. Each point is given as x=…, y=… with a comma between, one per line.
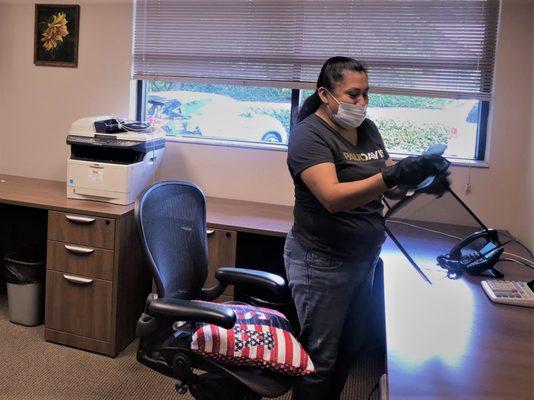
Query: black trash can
x=3, y=286
x=25, y=276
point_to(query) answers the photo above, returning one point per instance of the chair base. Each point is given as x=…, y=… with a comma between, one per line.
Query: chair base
x=218, y=382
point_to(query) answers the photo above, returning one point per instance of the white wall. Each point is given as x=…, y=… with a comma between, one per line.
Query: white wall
x=5, y=35
x=530, y=178
x=40, y=103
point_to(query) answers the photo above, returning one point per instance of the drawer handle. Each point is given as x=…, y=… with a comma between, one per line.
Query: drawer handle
x=209, y=231
x=77, y=279
x=79, y=249
x=81, y=220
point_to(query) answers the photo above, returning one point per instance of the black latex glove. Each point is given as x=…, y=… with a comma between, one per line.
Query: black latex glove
x=440, y=185
x=413, y=170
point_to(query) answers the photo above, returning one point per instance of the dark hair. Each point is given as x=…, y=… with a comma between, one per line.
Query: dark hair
x=331, y=72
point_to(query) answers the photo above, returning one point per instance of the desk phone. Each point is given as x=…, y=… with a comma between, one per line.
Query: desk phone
x=516, y=293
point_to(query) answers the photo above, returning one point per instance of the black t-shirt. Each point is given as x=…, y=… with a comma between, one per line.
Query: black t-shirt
x=353, y=233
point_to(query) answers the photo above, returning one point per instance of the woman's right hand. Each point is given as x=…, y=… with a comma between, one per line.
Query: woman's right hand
x=411, y=171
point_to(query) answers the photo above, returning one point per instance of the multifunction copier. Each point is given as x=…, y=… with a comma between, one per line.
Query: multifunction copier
x=111, y=160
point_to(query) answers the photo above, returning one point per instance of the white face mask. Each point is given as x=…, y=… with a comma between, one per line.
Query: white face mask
x=348, y=115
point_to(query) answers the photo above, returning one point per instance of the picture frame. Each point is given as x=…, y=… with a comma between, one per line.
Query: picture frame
x=56, y=35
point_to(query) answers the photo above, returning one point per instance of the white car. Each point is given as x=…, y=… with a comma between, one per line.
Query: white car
x=211, y=115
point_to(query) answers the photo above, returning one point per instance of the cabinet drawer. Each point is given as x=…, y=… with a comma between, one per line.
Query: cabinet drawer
x=221, y=253
x=81, y=229
x=80, y=308
x=80, y=260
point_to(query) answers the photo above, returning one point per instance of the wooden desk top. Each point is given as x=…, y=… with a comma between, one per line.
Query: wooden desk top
x=52, y=195
x=237, y=215
x=448, y=340
x=245, y=216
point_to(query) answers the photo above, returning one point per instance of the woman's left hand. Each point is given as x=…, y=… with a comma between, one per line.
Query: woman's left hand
x=440, y=185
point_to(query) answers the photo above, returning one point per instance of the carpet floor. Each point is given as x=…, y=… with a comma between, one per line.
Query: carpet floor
x=32, y=368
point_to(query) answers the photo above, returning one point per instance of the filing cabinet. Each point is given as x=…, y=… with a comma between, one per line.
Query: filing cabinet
x=222, y=253
x=96, y=281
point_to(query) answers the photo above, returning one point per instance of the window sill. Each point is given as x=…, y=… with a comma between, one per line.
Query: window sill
x=455, y=161
x=227, y=143
x=458, y=162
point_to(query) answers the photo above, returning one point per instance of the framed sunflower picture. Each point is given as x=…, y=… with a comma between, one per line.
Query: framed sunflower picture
x=56, y=35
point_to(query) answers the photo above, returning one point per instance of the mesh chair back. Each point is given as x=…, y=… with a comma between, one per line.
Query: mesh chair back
x=171, y=217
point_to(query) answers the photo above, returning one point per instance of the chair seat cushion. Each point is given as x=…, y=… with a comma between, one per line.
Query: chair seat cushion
x=261, y=337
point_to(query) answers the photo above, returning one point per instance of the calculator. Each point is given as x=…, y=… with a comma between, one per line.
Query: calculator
x=516, y=293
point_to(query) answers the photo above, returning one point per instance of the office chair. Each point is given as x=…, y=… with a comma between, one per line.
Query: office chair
x=171, y=219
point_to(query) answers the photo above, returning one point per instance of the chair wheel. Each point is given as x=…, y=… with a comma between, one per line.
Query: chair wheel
x=181, y=388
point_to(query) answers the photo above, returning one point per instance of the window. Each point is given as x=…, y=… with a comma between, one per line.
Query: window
x=430, y=65
x=408, y=124
x=224, y=112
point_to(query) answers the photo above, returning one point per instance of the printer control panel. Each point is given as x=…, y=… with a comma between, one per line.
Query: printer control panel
x=113, y=142
x=110, y=149
x=71, y=139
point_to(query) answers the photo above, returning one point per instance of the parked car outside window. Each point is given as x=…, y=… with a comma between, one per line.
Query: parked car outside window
x=181, y=112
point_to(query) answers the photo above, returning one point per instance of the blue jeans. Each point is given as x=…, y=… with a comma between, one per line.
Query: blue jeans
x=332, y=296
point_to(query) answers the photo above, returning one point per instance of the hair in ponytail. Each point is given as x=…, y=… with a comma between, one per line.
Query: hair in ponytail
x=331, y=73
x=310, y=105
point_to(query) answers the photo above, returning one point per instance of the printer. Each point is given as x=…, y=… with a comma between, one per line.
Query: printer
x=112, y=160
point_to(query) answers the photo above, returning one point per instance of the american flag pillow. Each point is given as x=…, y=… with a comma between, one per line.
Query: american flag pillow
x=261, y=338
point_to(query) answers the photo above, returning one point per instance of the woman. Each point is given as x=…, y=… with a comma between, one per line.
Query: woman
x=340, y=169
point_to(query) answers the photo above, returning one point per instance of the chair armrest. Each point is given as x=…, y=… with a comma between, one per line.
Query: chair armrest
x=186, y=310
x=250, y=278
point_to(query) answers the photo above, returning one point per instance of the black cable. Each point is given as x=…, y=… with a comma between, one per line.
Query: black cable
x=517, y=241
x=136, y=126
x=454, y=271
x=516, y=261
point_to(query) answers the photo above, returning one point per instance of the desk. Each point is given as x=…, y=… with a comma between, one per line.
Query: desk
x=250, y=217
x=448, y=340
x=96, y=282
x=101, y=315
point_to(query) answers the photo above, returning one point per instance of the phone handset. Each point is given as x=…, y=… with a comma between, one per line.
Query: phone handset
x=475, y=259
x=489, y=235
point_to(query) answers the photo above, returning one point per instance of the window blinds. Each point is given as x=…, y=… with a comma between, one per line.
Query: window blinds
x=442, y=48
